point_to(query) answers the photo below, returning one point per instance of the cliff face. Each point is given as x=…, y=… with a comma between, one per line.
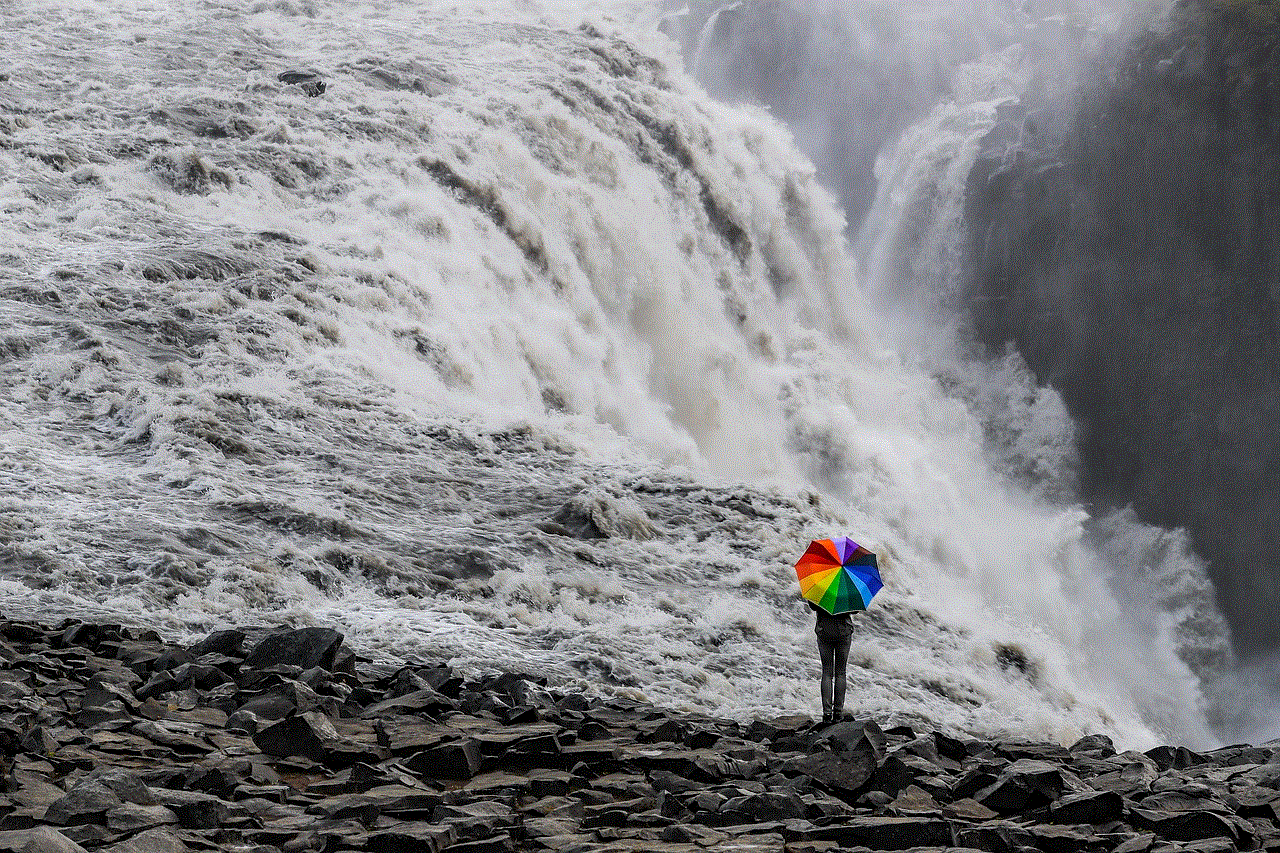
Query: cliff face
x=1126, y=240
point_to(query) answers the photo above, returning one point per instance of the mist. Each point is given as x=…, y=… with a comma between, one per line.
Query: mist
x=910, y=111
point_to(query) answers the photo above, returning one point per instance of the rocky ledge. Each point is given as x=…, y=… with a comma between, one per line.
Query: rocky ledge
x=285, y=740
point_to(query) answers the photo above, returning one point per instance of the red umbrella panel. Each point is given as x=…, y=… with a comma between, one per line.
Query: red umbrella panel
x=838, y=575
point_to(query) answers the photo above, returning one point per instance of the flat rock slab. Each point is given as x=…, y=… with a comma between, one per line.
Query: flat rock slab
x=876, y=833
x=38, y=840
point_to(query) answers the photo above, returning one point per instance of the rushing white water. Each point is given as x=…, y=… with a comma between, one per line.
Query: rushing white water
x=511, y=347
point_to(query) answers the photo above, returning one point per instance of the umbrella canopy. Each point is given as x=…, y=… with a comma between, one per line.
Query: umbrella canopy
x=838, y=575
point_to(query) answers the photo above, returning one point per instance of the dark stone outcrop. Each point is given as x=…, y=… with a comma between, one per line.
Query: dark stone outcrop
x=304, y=648
x=570, y=772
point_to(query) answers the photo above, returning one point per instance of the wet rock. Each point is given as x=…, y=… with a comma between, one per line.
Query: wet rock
x=551, y=772
x=1027, y=783
x=458, y=760
x=1171, y=757
x=244, y=721
x=423, y=701
x=170, y=735
x=229, y=643
x=1185, y=826
x=476, y=821
x=1092, y=807
x=310, y=82
x=850, y=736
x=996, y=836
x=129, y=818
x=877, y=833
x=41, y=839
x=411, y=837
x=87, y=802
x=309, y=734
x=195, y=810
x=1094, y=746
x=303, y=647
x=1140, y=843
x=768, y=806
x=843, y=774
x=125, y=784
x=150, y=841
x=29, y=789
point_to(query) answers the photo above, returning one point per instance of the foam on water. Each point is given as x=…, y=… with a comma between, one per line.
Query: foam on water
x=514, y=348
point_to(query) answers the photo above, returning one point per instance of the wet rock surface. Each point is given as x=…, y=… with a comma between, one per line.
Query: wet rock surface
x=110, y=743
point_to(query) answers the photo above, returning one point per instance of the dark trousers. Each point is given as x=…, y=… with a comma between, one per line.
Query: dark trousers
x=834, y=650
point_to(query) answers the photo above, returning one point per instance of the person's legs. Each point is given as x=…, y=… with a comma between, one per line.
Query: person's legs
x=840, y=662
x=827, y=651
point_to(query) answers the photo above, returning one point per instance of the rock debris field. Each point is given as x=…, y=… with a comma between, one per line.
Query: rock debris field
x=284, y=740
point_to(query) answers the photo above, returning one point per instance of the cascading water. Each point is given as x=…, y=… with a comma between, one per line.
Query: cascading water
x=511, y=347
x=910, y=247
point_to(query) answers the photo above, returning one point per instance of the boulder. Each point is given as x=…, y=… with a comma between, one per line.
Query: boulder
x=40, y=839
x=302, y=647
x=843, y=774
x=193, y=809
x=1087, y=807
x=423, y=701
x=457, y=760
x=1027, y=783
x=229, y=643
x=150, y=841
x=767, y=806
x=87, y=802
x=129, y=817
x=475, y=821
x=126, y=785
x=849, y=736
x=1187, y=825
x=308, y=734
x=1094, y=746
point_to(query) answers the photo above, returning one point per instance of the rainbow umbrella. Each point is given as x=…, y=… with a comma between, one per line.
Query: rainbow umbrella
x=838, y=575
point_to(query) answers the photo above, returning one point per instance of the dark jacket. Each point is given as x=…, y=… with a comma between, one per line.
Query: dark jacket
x=830, y=627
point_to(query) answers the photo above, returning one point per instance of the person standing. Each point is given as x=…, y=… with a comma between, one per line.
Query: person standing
x=835, y=633
x=837, y=578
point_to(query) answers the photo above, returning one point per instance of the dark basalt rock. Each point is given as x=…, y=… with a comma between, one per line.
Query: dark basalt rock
x=229, y=643
x=458, y=760
x=414, y=771
x=303, y=648
x=843, y=774
x=195, y=810
x=1092, y=807
x=1026, y=783
x=1188, y=825
x=38, y=840
x=308, y=81
x=88, y=802
x=414, y=837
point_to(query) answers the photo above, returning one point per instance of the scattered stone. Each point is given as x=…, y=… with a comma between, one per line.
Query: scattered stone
x=196, y=749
